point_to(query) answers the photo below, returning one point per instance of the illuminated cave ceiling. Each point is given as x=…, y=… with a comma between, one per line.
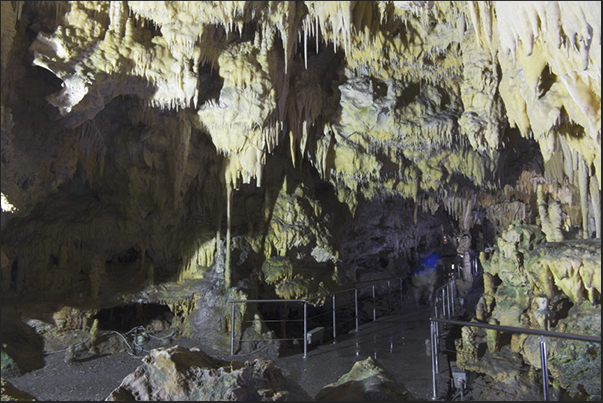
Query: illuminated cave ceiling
x=171, y=128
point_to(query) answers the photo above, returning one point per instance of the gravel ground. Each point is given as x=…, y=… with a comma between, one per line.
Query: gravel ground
x=396, y=342
x=88, y=378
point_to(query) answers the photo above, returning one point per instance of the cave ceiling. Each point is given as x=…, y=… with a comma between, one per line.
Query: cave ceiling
x=167, y=132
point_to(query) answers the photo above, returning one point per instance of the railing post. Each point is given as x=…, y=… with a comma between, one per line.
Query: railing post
x=545, y=368
x=436, y=335
x=305, y=328
x=433, y=361
x=447, y=296
x=356, y=307
x=374, y=305
x=543, y=347
x=450, y=300
x=334, y=324
x=453, y=286
x=232, y=329
x=389, y=296
x=444, y=300
x=401, y=295
x=436, y=346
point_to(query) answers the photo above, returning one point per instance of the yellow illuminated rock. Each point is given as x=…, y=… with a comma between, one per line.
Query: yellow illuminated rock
x=152, y=151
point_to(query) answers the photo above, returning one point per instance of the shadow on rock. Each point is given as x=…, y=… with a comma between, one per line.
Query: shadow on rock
x=21, y=343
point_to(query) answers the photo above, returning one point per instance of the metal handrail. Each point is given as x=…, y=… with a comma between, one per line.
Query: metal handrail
x=305, y=301
x=513, y=329
x=449, y=294
x=543, y=350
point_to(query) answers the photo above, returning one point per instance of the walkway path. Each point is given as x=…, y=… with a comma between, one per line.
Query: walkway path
x=397, y=342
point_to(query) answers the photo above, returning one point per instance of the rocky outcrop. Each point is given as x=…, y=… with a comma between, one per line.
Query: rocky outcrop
x=10, y=369
x=551, y=286
x=178, y=373
x=366, y=381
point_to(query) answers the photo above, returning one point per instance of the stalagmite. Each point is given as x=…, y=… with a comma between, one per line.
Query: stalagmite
x=550, y=216
x=150, y=280
x=464, y=251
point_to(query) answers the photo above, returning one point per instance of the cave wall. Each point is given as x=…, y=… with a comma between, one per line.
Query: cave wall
x=151, y=150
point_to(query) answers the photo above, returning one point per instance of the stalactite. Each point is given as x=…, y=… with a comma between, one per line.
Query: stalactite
x=305, y=29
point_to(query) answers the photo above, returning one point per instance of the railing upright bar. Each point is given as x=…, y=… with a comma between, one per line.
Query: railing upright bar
x=305, y=301
x=436, y=340
x=444, y=299
x=232, y=329
x=453, y=296
x=450, y=301
x=305, y=329
x=456, y=295
x=545, y=368
x=433, y=361
x=401, y=295
x=374, y=305
x=356, y=307
x=543, y=348
x=334, y=324
x=389, y=295
x=446, y=302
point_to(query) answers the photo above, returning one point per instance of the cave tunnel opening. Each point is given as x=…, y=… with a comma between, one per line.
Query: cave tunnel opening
x=124, y=318
x=124, y=258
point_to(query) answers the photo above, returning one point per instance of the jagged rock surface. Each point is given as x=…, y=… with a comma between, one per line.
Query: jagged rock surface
x=163, y=152
x=533, y=284
x=178, y=373
x=367, y=380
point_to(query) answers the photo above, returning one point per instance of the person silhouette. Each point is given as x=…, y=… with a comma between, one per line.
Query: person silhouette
x=425, y=276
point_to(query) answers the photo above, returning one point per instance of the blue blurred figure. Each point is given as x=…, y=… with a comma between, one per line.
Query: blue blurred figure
x=425, y=277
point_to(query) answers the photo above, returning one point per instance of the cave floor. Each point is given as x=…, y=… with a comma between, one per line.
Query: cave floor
x=396, y=341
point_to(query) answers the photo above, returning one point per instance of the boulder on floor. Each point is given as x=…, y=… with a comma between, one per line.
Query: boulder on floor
x=367, y=380
x=178, y=373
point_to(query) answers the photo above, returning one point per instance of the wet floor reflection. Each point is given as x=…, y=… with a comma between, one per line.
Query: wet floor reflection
x=397, y=342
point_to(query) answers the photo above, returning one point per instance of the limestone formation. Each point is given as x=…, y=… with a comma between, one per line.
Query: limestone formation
x=168, y=153
x=573, y=364
x=552, y=286
x=178, y=373
x=367, y=380
x=10, y=368
x=550, y=217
